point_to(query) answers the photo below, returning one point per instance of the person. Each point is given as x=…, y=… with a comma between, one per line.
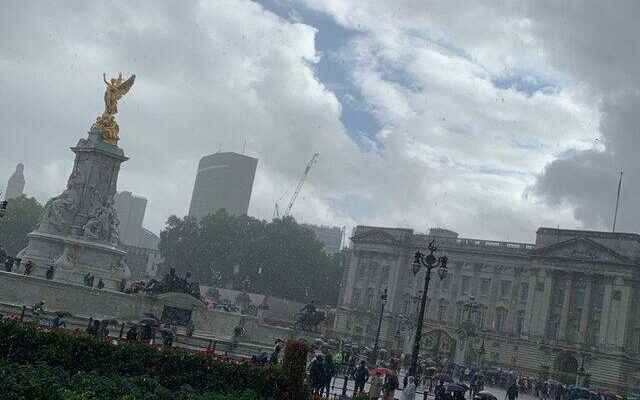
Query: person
x=8, y=264
x=409, y=390
x=512, y=392
x=439, y=391
x=376, y=385
x=132, y=333
x=50, y=272
x=94, y=328
x=100, y=284
x=315, y=374
x=390, y=385
x=3, y=254
x=275, y=355
x=360, y=376
x=28, y=267
x=328, y=372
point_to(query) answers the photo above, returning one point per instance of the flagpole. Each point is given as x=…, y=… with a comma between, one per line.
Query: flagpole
x=615, y=215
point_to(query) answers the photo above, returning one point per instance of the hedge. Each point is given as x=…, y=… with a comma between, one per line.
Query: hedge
x=173, y=369
x=34, y=382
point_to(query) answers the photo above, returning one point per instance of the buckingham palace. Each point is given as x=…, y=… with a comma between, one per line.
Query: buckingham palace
x=565, y=306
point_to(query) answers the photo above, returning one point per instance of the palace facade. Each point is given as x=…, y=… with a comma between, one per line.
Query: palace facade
x=564, y=306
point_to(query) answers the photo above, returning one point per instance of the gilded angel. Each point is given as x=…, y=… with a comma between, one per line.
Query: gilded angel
x=116, y=88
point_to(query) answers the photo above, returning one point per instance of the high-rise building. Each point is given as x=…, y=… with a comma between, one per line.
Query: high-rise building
x=131, y=209
x=15, y=185
x=224, y=181
x=330, y=236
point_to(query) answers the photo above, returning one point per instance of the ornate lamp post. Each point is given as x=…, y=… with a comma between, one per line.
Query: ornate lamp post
x=429, y=262
x=376, y=347
x=481, y=352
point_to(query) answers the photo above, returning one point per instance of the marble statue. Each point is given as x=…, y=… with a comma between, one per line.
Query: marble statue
x=57, y=212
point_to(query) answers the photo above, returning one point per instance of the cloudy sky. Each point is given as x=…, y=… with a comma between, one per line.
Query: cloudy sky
x=490, y=119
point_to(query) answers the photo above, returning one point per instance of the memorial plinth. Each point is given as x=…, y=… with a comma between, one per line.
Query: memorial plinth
x=78, y=232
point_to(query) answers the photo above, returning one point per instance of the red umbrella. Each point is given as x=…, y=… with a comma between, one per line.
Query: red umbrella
x=383, y=371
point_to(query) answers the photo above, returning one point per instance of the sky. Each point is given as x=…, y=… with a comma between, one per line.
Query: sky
x=489, y=118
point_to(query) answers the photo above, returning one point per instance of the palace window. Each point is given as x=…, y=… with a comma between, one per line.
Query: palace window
x=505, y=288
x=524, y=292
x=501, y=319
x=465, y=285
x=445, y=282
x=362, y=271
x=485, y=286
x=370, y=300
x=442, y=310
x=459, y=312
x=385, y=273
x=355, y=300
x=520, y=323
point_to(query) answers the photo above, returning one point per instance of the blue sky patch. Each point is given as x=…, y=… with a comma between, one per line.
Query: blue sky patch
x=331, y=70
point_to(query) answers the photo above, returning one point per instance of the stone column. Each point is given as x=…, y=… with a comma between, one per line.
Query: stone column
x=586, y=310
x=623, y=313
x=605, y=315
x=546, y=300
x=568, y=289
x=514, y=301
x=529, y=323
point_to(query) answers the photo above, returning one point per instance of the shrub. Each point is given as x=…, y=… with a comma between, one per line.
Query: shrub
x=169, y=370
x=34, y=382
x=294, y=364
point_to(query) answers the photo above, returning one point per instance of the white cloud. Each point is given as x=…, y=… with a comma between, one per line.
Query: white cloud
x=455, y=150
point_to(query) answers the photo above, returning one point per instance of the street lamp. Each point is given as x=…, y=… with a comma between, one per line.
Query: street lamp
x=376, y=347
x=481, y=352
x=429, y=262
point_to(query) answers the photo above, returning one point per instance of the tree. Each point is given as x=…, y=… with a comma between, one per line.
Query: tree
x=280, y=258
x=22, y=217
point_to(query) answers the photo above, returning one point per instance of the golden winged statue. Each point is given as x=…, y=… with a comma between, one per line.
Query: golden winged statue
x=106, y=123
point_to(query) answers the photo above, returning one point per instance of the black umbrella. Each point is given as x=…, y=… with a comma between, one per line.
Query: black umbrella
x=485, y=395
x=457, y=387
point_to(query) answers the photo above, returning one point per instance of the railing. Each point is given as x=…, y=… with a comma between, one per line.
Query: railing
x=479, y=244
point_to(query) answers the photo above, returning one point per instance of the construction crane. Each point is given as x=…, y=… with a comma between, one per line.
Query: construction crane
x=296, y=192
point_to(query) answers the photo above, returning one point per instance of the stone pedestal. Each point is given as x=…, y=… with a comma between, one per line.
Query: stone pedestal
x=78, y=232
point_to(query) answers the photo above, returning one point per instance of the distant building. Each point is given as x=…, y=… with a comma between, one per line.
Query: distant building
x=223, y=181
x=330, y=236
x=131, y=209
x=143, y=256
x=15, y=185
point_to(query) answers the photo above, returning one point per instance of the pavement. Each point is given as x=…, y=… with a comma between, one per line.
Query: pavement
x=498, y=392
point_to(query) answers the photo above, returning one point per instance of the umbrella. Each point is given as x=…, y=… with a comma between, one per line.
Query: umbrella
x=485, y=395
x=149, y=321
x=109, y=321
x=457, y=387
x=383, y=371
x=63, y=314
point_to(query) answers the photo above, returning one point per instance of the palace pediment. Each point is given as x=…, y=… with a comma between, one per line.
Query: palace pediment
x=581, y=249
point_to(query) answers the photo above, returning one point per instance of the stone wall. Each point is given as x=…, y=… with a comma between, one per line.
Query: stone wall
x=85, y=302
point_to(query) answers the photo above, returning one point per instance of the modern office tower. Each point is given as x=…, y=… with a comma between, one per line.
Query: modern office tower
x=224, y=181
x=131, y=209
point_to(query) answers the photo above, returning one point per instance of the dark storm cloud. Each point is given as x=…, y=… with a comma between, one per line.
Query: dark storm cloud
x=597, y=44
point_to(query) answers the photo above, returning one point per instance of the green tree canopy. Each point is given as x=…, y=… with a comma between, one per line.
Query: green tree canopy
x=22, y=217
x=280, y=258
